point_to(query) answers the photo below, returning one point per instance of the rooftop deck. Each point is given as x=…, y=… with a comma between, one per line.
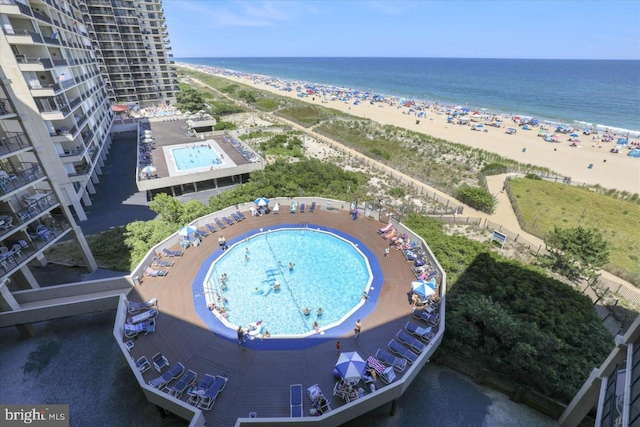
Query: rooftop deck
x=259, y=380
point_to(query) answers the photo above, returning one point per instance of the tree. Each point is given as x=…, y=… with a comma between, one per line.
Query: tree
x=168, y=207
x=189, y=99
x=476, y=197
x=576, y=251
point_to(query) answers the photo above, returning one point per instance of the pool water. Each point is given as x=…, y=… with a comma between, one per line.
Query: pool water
x=195, y=157
x=329, y=273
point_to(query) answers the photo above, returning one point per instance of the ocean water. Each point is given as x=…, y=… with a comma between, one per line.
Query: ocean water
x=567, y=91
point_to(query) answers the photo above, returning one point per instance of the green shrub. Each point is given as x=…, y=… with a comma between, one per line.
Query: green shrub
x=533, y=176
x=225, y=126
x=494, y=169
x=476, y=197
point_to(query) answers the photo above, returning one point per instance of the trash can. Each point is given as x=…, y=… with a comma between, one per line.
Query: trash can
x=136, y=280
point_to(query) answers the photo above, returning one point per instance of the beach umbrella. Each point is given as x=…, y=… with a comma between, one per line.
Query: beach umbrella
x=424, y=289
x=574, y=135
x=148, y=169
x=634, y=153
x=262, y=201
x=187, y=231
x=479, y=126
x=350, y=365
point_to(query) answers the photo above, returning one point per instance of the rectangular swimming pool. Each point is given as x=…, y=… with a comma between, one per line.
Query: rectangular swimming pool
x=195, y=157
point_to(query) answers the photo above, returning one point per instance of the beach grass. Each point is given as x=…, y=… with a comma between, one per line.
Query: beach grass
x=541, y=205
x=308, y=115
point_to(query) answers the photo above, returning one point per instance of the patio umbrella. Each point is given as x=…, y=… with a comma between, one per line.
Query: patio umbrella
x=350, y=365
x=424, y=289
x=187, y=231
x=262, y=201
x=148, y=169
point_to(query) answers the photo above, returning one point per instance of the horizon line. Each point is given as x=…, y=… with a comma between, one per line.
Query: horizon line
x=404, y=57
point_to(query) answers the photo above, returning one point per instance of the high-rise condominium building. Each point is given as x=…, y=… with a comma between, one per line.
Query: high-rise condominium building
x=132, y=44
x=55, y=119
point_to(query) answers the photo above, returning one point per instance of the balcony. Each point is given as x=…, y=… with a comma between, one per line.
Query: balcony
x=18, y=36
x=10, y=182
x=6, y=110
x=22, y=8
x=12, y=143
x=41, y=16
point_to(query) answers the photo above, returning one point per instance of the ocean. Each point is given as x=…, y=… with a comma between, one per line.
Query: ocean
x=578, y=92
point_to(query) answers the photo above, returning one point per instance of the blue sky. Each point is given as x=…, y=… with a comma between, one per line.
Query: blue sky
x=458, y=29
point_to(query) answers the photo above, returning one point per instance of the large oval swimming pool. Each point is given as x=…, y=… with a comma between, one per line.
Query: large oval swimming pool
x=327, y=272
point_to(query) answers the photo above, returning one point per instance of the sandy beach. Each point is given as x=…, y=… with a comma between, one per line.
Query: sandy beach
x=615, y=171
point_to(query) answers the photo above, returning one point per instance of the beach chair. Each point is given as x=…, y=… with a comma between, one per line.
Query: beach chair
x=171, y=254
x=150, y=272
x=318, y=400
x=131, y=331
x=227, y=220
x=139, y=318
x=276, y=208
x=211, y=228
x=173, y=373
x=294, y=207
x=197, y=391
x=295, y=400
x=209, y=397
x=387, y=358
x=388, y=375
x=219, y=223
x=424, y=334
x=312, y=208
x=431, y=319
x=402, y=351
x=240, y=215
x=157, y=262
x=178, y=388
x=201, y=233
x=386, y=228
x=159, y=362
x=143, y=364
x=302, y=207
x=134, y=307
x=409, y=341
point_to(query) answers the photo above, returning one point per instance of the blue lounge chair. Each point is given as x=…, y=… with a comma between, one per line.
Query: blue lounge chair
x=402, y=351
x=171, y=254
x=411, y=342
x=219, y=223
x=227, y=220
x=150, y=272
x=134, y=307
x=431, y=319
x=148, y=326
x=302, y=207
x=178, y=388
x=196, y=392
x=389, y=359
x=143, y=364
x=209, y=397
x=211, y=228
x=312, y=208
x=157, y=262
x=201, y=233
x=420, y=332
x=240, y=215
x=173, y=373
x=295, y=399
x=235, y=217
x=139, y=318
x=159, y=362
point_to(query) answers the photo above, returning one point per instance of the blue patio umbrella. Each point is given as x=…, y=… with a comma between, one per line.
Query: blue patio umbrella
x=423, y=288
x=574, y=135
x=634, y=153
x=148, y=169
x=262, y=201
x=187, y=231
x=350, y=365
x=479, y=126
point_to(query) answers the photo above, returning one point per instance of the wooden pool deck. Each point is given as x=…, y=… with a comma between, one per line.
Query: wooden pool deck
x=259, y=380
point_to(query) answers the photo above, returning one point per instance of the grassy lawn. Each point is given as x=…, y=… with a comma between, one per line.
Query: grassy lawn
x=544, y=204
x=308, y=115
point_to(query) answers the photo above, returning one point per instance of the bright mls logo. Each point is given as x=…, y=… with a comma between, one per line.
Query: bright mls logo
x=35, y=415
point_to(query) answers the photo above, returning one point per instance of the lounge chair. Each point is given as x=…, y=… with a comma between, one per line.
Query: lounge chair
x=431, y=319
x=134, y=307
x=294, y=207
x=178, y=388
x=318, y=399
x=150, y=272
x=143, y=364
x=312, y=208
x=424, y=334
x=227, y=220
x=131, y=331
x=276, y=208
x=159, y=362
x=219, y=223
x=201, y=233
x=386, y=228
x=376, y=365
x=295, y=400
x=173, y=373
x=211, y=228
x=302, y=207
x=209, y=397
x=388, y=375
x=157, y=262
x=240, y=215
x=171, y=254
x=402, y=351
x=411, y=342
x=196, y=392
x=385, y=357
x=147, y=315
